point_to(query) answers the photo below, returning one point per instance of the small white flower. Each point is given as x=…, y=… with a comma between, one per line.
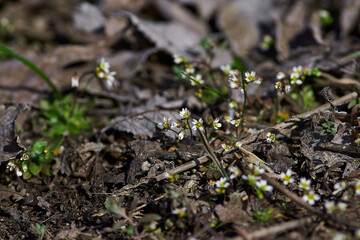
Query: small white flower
x=235, y=172
x=178, y=59
x=258, y=171
x=174, y=125
x=233, y=81
x=182, y=135
x=330, y=206
x=339, y=186
x=304, y=183
x=198, y=124
x=185, y=113
x=263, y=186
x=110, y=79
x=165, y=123
x=278, y=85
x=18, y=172
x=216, y=125
x=226, y=69
x=222, y=183
x=258, y=81
x=287, y=88
x=294, y=77
x=179, y=211
x=227, y=118
x=251, y=178
x=311, y=197
x=238, y=144
x=226, y=147
x=298, y=70
x=104, y=65
x=25, y=168
x=24, y=157
x=286, y=177
x=74, y=81
x=280, y=75
x=196, y=80
x=357, y=188
x=270, y=137
x=11, y=166
x=235, y=122
x=232, y=104
x=190, y=69
x=250, y=77
x=341, y=206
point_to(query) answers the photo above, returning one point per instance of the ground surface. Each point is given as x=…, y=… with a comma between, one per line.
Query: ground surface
x=99, y=158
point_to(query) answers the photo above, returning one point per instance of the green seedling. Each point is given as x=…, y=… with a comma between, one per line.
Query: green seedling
x=264, y=215
x=64, y=117
x=40, y=230
x=330, y=127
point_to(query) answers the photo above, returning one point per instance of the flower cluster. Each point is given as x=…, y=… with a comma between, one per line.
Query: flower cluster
x=102, y=72
x=19, y=165
x=296, y=77
x=221, y=185
x=330, y=206
x=309, y=196
x=234, y=82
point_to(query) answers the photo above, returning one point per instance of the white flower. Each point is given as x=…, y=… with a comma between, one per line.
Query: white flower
x=287, y=88
x=232, y=104
x=238, y=144
x=280, y=75
x=286, y=177
x=174, y=125
x=233, y=81
x=216, y=124
x=258, y=81
x=196, y=80
x=165, y=123
x=179, y=211
x=294, y=77
x=104, y=66
x=185, y=113
x=235, y=172
x=341, y=206
x=357, y=188
x=235, y=122
x=262, y=185
x=110, y=79
x=190, y=69
x=339, y=236
x=251, y=178
x=24, y=157
x=181, y=135
x=250, y=77
x=258, y=170
x=339, y=186
x=226, y=69
x=222, y=183
x=298, y=70
x=25, y=168
x=74, y=81
x=278, y=85
x=11, y=165
x=226, y=147
x=198, y=124
x=270, y=137
x=304, y=183
x=18, y=172
x=178, y=59
x=330, y=206
x=227, y=118
x=311, y=197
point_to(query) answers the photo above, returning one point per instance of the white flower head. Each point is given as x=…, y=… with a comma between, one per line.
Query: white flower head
x=286, y=177
x=341, y=206
x=250, y=77
x=227, y=118
x=258, y=170
x=226, y=147
x=311, y=197
x=258, y=81
x=198, y=124
x=178, y=59
x=238, y=144
x=278, y=85
x=110, y=79
x=233, y=80
x=357, y=188
x=270, y=137
x=340, y=186
x=216, y=124
x=298, y=70
x=190, y=69
x=235, y=172
x=222, y=183
x=235, y=122
x=182, y=135
x=263, y=186
x=179, y=211
x=287, y=88
x=185, y=113
x=11, y=166
x=165, y=123
x=305, y=183
x=295, y=78
x=251, y=178
x=196, y=80
x=280, y=75
x=226, y=69
x=24, y=157
x=19, y=173
x=233, y=104
x=74, y=81
x=104, y=66
x=330, y=206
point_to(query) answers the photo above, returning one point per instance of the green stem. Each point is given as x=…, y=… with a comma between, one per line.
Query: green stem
x=31, y=66
x=244, y=104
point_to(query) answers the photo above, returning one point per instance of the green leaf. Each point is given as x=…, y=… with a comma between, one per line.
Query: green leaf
x=34, y=168
x=39, y=147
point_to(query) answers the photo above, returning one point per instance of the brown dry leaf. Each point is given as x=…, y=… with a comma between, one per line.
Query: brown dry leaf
x=171, y=36
x=232, y=211
x=288, y=27
x=9, y=147
x=349, y=16
x=239, y=20
x=144, y=124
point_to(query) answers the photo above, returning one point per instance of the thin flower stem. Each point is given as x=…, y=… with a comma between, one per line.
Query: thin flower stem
x=244, y=105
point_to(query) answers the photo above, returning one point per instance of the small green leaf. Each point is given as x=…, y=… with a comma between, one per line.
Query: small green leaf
x=34, y=168
x=39, y=147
